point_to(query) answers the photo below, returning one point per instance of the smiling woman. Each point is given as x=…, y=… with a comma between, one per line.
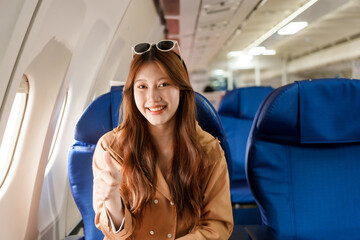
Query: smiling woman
x=159, y=162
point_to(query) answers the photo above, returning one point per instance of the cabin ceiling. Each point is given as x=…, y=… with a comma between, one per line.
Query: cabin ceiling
x=208, y=30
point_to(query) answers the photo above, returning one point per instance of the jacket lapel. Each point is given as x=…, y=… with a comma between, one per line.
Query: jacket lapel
x=161, y=184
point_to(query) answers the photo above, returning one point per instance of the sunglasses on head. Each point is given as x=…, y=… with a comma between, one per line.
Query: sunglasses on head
x=163, y=46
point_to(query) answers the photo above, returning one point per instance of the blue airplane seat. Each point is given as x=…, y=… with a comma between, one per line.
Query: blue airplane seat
x=303, y=162
x=101, y=116
x=237, y=110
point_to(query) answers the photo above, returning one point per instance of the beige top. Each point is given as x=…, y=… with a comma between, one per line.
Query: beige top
x=160, y=219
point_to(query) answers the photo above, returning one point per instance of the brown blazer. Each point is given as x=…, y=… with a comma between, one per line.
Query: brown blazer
x=160, y=217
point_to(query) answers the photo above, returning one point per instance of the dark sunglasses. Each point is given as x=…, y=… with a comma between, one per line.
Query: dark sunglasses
x=163, y=45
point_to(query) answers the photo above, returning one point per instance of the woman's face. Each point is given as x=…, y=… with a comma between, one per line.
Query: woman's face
x=156, y=96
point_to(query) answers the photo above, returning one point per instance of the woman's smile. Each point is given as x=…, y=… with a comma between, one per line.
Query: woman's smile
x=156, y=109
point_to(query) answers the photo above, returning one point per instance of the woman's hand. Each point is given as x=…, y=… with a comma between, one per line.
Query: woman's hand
x=107, y=189
x=107, y=182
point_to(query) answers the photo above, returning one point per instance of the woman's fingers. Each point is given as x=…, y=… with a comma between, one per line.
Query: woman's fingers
x=107, y=177
x=107, y=181
x=105, y=186
x=111, y=167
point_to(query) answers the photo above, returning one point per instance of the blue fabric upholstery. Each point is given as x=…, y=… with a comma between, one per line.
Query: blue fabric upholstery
x=80, y=179
x=303, y=160
x=209, y=120
x=101, y=116
x=237, y=110
x=243, y=102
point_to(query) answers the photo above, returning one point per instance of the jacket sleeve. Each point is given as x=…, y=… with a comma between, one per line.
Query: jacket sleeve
x=216, y=218
x=102, y=221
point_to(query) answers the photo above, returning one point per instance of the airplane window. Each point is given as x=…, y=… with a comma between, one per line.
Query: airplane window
x=57, y=128
x=12, y=130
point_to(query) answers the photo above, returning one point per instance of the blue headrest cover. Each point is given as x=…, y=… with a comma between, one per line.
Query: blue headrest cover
x=209, y=121
x=317, y=111
x=101, y=116
x=243, y=102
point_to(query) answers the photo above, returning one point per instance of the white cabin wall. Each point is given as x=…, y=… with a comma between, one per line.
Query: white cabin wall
x=44, y=60
x=54, y=46
x=137, y=26
x=15, y=18
x=55, y=182
x=41, y=120
x=132, y=29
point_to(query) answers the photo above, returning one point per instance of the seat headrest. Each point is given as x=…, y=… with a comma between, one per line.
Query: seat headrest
x=312, y=111
x=207, y=116
x=209, y=121
x=243, y=102
x=101, y=116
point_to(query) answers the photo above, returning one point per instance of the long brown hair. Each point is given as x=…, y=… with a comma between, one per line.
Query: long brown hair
x=139, y=153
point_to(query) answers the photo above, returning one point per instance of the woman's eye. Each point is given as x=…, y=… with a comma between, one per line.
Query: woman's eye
x=164, y=84
x=141, y=86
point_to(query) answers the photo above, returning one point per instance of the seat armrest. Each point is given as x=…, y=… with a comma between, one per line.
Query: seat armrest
x=239, y=232
x=259, y=232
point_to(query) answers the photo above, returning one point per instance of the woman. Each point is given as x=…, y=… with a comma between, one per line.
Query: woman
x=159, y=175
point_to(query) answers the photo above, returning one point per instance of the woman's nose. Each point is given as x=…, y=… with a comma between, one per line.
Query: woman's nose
x=154, y=94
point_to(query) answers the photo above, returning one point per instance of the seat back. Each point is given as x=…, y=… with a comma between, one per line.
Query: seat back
x=101, y=116
x=237, y=110
x=303, y=160
x=98, y=118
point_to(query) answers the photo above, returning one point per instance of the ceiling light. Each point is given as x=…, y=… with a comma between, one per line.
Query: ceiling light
x=235, y=54
x=269, y=52
x=256, y=51
x=240, y=56
x=292, y=28
x=282, y=24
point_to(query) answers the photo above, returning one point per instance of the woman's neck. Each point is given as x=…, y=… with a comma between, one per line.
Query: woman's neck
x=163, y=137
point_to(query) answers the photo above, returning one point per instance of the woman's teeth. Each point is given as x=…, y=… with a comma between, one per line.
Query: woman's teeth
x=156, y=109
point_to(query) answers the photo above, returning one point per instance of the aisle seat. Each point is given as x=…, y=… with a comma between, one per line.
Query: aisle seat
x=237, y=110
x=303, y=161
